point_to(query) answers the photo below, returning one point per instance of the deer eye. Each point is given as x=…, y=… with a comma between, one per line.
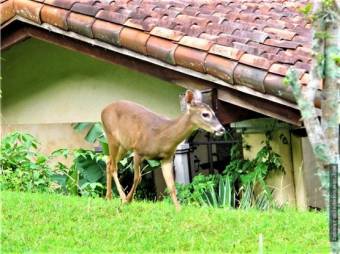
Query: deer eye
x=205, y=115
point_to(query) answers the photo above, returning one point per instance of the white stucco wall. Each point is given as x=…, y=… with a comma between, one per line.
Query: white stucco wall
x=43, y=83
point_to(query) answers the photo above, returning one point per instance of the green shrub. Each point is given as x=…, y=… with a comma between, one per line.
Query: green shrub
x=211, y=190
x=85, y=176
x=24, y=168
x=248, y=175
x=236, y=186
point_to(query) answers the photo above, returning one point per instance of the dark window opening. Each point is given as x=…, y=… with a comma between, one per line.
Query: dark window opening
x=209, y=154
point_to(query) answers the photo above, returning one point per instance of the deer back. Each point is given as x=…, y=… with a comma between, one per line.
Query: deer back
x=133, y=126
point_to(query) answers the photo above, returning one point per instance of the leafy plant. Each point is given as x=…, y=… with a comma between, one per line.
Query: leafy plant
x=247, y=174
x=145, y=189
x=86, y=175
x=213, y=190
x=192, y=192
x=24, y=168
x=94, y=134
x=236, y=186
x=91, y=189
x=221, y=195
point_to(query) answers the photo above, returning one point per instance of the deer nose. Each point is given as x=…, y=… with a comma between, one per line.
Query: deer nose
x=220, y=131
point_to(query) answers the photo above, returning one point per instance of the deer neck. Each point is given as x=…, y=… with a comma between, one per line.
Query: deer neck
x=178, y=129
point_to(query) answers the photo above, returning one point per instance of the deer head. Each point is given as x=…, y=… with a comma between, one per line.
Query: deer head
x=201, y=115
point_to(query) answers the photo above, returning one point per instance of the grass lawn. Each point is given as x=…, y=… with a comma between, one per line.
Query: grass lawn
x=59, y=224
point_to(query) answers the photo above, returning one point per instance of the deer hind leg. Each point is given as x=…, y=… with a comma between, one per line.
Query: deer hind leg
x=136, y=176
x=121, y=151
x=109, y=178
x=167, y=167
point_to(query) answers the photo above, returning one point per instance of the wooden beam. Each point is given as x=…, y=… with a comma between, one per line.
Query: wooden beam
x=10, y=37
x=286, y=114
x=228, y=113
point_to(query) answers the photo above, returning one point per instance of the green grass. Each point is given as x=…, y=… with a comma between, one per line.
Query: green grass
x=59, y=224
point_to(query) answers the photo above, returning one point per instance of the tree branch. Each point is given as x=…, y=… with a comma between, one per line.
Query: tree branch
x=310, y=119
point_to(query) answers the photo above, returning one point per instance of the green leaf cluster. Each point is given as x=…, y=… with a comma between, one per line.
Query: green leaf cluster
x=236, y=186
x=212, y=190
x=23, y=167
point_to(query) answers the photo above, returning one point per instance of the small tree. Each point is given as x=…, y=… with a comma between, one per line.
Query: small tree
x=322, y=130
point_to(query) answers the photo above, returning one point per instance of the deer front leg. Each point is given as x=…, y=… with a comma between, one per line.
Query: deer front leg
x=136, y=176
x=167, y=167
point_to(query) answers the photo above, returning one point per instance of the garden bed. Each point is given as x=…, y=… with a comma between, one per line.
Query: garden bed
x=64, y=224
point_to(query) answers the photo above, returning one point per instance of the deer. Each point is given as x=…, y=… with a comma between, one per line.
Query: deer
x=132, y=127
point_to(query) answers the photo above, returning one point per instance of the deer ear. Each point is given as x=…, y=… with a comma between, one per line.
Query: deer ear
x=197, y=97
x=189, y=96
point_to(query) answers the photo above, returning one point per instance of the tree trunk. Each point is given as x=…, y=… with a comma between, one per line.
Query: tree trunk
x=323, y=135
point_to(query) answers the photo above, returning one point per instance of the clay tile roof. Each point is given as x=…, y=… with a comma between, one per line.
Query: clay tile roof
x=248, y=43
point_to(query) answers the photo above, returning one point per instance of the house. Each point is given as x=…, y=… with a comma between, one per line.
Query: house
x=64, y=60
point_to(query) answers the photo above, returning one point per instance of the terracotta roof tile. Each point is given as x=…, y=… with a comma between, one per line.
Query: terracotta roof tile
x=229, y=40
x=161, y=49
x=248, y=49
x=220, y=67
x=7, y=11
x=106, y=31
x=80, y=24
x=254, y=35
x=65, y=4
x=262, y=48
x=210, y=37
x=255, y=61
x=227, y=52
x=113, y=17
x=302, y=65
x=86, y=9
x=274, y=85
x=54, y=16
x=197, y=43
x=28, y=9
x=137, y=24
x=282, y=43
x=134, y=39
x=304, y=51
x=167, y=33
x=250, y=76
x=243, y=42
x=190, y=58
x=280, y=69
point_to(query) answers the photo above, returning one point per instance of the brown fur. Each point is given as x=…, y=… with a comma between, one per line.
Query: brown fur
x=132, y=127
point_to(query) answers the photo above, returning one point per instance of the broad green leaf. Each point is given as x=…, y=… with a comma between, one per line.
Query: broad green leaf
x=153, y=163
x=94, y=133
x=81, y=126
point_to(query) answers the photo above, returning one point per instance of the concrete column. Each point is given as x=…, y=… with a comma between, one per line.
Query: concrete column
x=181, y=163
x=298, y=171
x=282, y=183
